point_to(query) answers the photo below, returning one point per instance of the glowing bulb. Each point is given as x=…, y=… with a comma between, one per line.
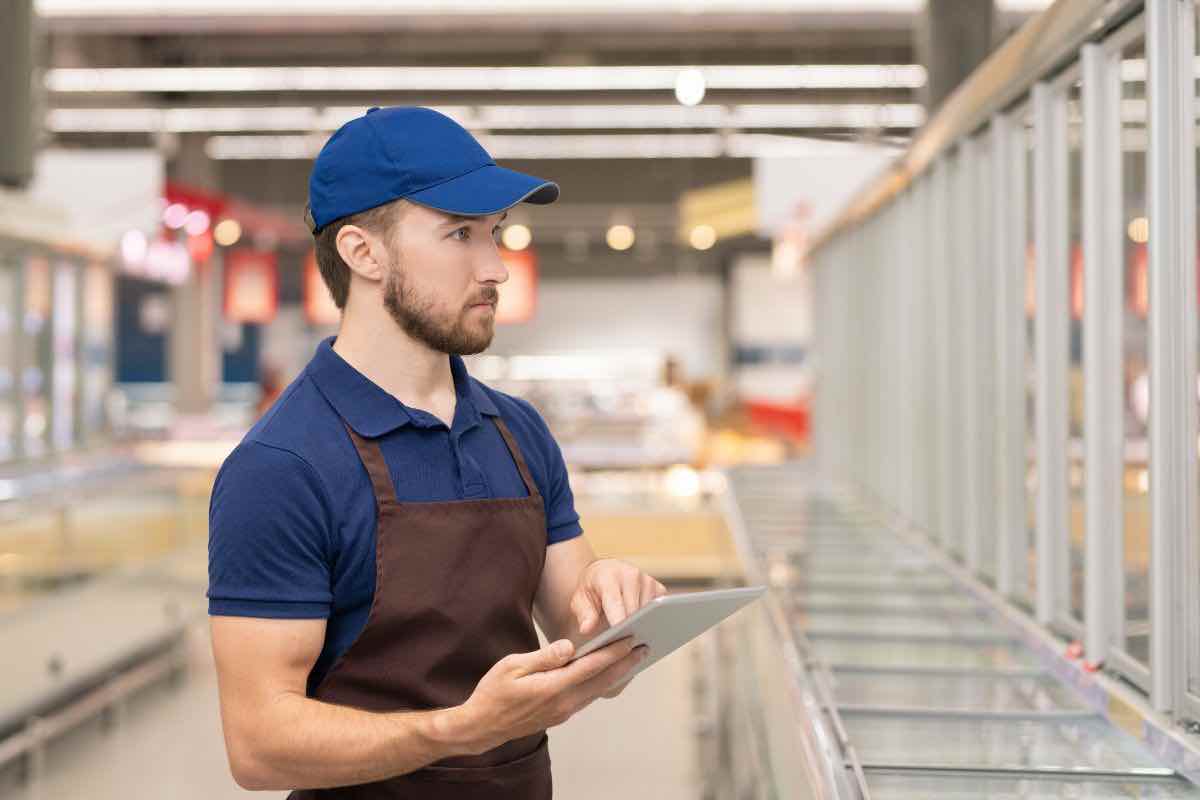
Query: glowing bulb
x=682, y=481
x=133, y=247
x=620, y=237
x=196, y=222
x=1139, y=230
x=516, y=237
x=227, y=232
x=689, y=87
x=175, y=215
x=703, y=237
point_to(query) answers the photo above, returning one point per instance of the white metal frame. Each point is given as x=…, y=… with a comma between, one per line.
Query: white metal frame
x=1103, y=250
x=1187, y=628
x=1008, y=266
x=1104, y=247
x=1170, y=55
x=940, y=268
x=965, y=283
x=985, y=361
x=942, y=354
x=1050, y=332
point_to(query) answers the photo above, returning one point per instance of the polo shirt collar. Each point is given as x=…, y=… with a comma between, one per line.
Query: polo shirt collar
x=371, y=411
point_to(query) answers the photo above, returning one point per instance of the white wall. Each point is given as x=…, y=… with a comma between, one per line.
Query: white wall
x=821, y=183
x=771, y=312
x=679, y=315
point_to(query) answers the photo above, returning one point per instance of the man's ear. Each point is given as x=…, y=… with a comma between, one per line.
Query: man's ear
x=357, y=248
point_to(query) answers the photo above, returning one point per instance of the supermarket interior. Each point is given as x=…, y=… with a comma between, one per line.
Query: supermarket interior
x=888, y=306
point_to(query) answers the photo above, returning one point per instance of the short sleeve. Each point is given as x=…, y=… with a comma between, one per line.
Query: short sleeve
x=270, y=535
x=562, y=521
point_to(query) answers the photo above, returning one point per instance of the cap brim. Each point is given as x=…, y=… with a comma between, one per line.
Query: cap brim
x=487, y=190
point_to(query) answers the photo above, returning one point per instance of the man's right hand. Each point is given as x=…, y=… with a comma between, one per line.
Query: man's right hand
x=528, y=692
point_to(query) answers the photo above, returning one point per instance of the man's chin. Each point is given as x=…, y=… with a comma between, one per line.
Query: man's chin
x=475, y=347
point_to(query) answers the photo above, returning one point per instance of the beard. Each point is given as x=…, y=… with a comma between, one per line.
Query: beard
x=416, y=315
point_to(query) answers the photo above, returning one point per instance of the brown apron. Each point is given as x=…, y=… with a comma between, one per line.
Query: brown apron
x=454, y=589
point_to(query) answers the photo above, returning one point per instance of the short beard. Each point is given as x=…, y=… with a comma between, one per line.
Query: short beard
x=415, y=317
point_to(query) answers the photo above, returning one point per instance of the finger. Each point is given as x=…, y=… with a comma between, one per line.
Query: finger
x=585, y=611
x=614, y=605
x=605, y=680
x=631, y=590
x=659, y=589
x=648, y=589
x=588, y=667
x=552, y=656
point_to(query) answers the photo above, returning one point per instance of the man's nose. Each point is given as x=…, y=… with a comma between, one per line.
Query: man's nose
x=492, y=267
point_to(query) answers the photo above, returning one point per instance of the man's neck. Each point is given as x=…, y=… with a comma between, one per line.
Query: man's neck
x=406, y=369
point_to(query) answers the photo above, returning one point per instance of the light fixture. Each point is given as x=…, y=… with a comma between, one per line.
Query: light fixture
x=89, y=80
x=505, y=8
x=703, y=237
x=689, y=87
x=1139, y=230
x=196, y=222
x=641, y=116
x=133, y=247
x=620, y=237
x=227, y=232
x=175, y=216
x=681, y=480
x=516, y=237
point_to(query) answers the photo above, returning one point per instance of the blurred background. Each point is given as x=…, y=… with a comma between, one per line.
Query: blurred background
x=158, y=289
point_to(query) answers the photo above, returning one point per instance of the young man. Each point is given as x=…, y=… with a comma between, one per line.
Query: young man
x=383, y=537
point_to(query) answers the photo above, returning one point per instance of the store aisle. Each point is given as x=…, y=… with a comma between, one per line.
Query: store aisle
x=167, y=744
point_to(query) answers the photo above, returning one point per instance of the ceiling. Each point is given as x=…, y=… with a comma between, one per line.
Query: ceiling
x=263, y=90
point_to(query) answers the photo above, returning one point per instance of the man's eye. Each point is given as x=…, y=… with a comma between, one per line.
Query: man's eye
x=466, y=234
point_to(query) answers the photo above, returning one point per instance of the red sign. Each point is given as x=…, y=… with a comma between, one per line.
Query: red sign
x=1138, y=282
x=200, y=248
x=518, y=295
x=319, y=308
x=251, y=285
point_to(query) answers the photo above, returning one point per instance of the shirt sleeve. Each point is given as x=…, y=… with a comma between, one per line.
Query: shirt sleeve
x=270, y=535
x=562, y=521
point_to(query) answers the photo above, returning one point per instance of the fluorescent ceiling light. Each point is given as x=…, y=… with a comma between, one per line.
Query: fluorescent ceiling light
x=478, y=79
x=246, y=8
x=675, y=145
x=499, y=117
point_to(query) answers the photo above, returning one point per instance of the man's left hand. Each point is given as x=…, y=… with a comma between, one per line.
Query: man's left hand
x=609, y=591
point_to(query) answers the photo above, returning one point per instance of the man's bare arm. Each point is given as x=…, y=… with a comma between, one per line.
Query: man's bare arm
x=278, y=738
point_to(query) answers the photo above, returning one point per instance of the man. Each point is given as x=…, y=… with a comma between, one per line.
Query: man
x=383, y=537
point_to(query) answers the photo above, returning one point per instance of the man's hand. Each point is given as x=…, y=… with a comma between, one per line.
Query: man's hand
x=528, y=692
x=609, y=591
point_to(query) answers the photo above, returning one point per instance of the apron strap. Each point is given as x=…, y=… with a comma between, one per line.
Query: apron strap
x=372, y=458
x=530, y=485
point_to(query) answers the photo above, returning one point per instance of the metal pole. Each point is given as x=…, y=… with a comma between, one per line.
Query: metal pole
x=1050, y=245
x=1103, y=409
x=1170, y=55
x=966, y=271
x=1008, y=171
x=942, y=314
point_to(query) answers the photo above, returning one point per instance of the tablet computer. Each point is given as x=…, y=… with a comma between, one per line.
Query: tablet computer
x=667, y=623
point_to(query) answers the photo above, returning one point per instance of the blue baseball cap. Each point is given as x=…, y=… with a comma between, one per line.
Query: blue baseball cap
x=418, y=154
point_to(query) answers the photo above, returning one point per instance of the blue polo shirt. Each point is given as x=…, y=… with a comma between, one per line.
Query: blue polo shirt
x=292, y=515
